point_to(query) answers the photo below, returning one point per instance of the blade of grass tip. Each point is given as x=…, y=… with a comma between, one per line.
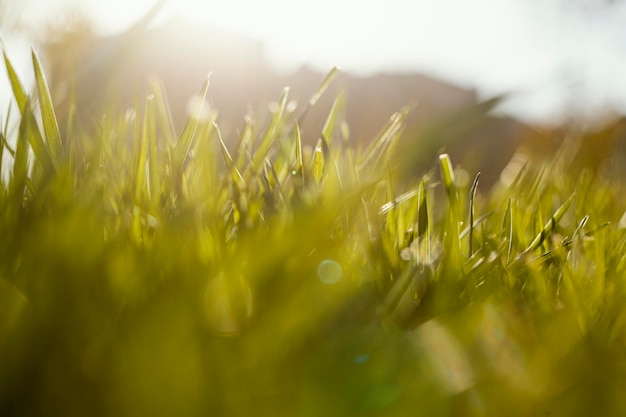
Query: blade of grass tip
x=331, y=120
x=242, y=154
x=230, y=163
x=225, y=153
x=299, y=165
x=49, y=119
x=581, y=225
x=278, y=187
x=471, y=220
x=321, y=89
x=449, y=182
x=18, y=91
x=324, y=85
x=550, y=225
x=181, y=151
x=383, y=141
x=597, y=229
x=268, y=139
x=164, y=118
x=36, y=140
x=318, y=163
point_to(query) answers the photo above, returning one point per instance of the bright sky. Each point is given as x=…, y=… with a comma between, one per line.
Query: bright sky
x=552, y=56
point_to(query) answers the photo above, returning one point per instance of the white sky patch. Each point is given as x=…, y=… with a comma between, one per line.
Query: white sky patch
x=550, y=56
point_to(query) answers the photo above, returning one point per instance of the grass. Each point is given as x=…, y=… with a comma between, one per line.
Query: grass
x=144, y=272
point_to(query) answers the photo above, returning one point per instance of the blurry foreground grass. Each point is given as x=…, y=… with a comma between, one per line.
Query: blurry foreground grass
x=144, y=272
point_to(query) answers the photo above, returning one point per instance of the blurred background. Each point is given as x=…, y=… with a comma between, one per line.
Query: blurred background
x=551, y=61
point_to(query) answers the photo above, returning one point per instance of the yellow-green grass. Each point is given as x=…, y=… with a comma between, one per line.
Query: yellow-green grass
x=148, y=273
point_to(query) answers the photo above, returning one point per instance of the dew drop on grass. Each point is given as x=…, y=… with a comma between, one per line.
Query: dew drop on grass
x=329, y=271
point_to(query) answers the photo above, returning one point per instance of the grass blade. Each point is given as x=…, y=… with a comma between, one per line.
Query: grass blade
x=453, y=218
x=270, y=135
x=333, y=115
x=36, y=140
x=18, y=90
x=228, y=159
x=323, y=86
x=471, y=219
x=165, y=120
x=384, y=141
x=49, y=120
x=318, y=163
x=422, y=210
x=142, y=157
x=299, y=165
x=154, y=173
x=318, y=93
x=181, y=152
x=550, y=225
x=19, y=174
x=449, y=182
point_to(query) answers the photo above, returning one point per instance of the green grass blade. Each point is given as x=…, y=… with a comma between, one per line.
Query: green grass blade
x=70, y=127
x=299, y=165
x=270, y=135
x=383, y=142
x=472, y=196
x=453, y=217
x=550, y=225
x=18, y=90
x=141, y=162
x=228, y=159
x=318, y=163
x=181, y=152
x=333, y=116
x=5, y=144
x=422, y=210
x=244, y=145
x=323, y=86
x=36, y=140
x=164, y=114
x=449, y=182
x=49, y=119
x=154, y=171
x=19, y=174
x=506, y=231
x=321, y=89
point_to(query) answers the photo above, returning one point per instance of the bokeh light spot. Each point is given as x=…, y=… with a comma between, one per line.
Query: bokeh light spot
x=329, y=271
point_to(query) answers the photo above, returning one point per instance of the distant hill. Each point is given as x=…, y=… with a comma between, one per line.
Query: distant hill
x=181, y=54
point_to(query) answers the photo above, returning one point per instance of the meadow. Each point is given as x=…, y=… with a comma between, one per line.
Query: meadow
x=145, y=271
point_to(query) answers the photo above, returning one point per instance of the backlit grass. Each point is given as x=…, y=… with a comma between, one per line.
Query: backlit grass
x=146, y=272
